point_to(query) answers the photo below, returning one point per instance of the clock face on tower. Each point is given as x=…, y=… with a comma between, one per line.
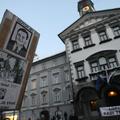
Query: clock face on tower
x=86, y=8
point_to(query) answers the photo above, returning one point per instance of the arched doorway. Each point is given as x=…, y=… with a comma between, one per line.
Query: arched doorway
x=44, y=115
x=87, y=100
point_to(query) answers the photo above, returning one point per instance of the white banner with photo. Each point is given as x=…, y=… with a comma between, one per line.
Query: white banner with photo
x=11, y=75
x=17, y=49
x=110, y=111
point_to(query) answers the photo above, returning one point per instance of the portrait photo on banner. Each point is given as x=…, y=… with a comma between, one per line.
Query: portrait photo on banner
x=11, y=68
x=19, y=40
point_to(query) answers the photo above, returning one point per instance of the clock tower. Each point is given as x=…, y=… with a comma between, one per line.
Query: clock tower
x=85, y=6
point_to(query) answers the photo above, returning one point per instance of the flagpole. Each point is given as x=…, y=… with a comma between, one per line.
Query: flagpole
x=107, y=76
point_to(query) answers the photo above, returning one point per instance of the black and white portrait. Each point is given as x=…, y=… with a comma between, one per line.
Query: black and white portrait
x=19, y=40
x=11, y=68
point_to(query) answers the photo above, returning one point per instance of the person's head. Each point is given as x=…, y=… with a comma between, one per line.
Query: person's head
x=21, y=36
x=12, y=62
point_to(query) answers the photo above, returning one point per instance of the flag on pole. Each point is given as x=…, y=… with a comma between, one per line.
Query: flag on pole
x=112, y=75
x=100, y=82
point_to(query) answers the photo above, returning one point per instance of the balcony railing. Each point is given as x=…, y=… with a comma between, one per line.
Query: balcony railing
x=104, y=73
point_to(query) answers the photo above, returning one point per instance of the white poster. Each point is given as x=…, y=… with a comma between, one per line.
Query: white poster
x=18, y=42
x=110, y=111
x=11, y=75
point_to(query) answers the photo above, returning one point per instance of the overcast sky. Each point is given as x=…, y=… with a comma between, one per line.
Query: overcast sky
x=49, y=18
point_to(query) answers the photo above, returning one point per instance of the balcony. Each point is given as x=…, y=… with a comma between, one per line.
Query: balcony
x=104, y=73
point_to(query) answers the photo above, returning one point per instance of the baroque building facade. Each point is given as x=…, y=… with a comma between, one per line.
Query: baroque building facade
x=93, y=49
x=48, y=93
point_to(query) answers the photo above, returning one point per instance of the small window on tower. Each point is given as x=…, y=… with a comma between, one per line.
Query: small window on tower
x=86, y=8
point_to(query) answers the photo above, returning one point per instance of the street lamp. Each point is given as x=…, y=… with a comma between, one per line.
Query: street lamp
x=112, y=93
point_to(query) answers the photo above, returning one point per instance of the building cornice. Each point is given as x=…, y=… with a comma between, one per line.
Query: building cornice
x=49, y=58
x=103, y=13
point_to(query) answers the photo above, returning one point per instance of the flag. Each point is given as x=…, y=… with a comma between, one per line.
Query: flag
x=113, y=74
x=100, y=82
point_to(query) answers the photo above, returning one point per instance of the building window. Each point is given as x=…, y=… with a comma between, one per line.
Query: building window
x=103, y=35
x=33, y=98
x=88, y=40
x=33, y=84
x=103, y=63
x=56, y=78
x=57, y=94
x=67, y=77
x=43, y=81
x=100, y=64
x=94, y=67
x=75, y=44
x=112, y=62
x=80, y=71
x=68, y=93
x=116, y=30
x=44, y=97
